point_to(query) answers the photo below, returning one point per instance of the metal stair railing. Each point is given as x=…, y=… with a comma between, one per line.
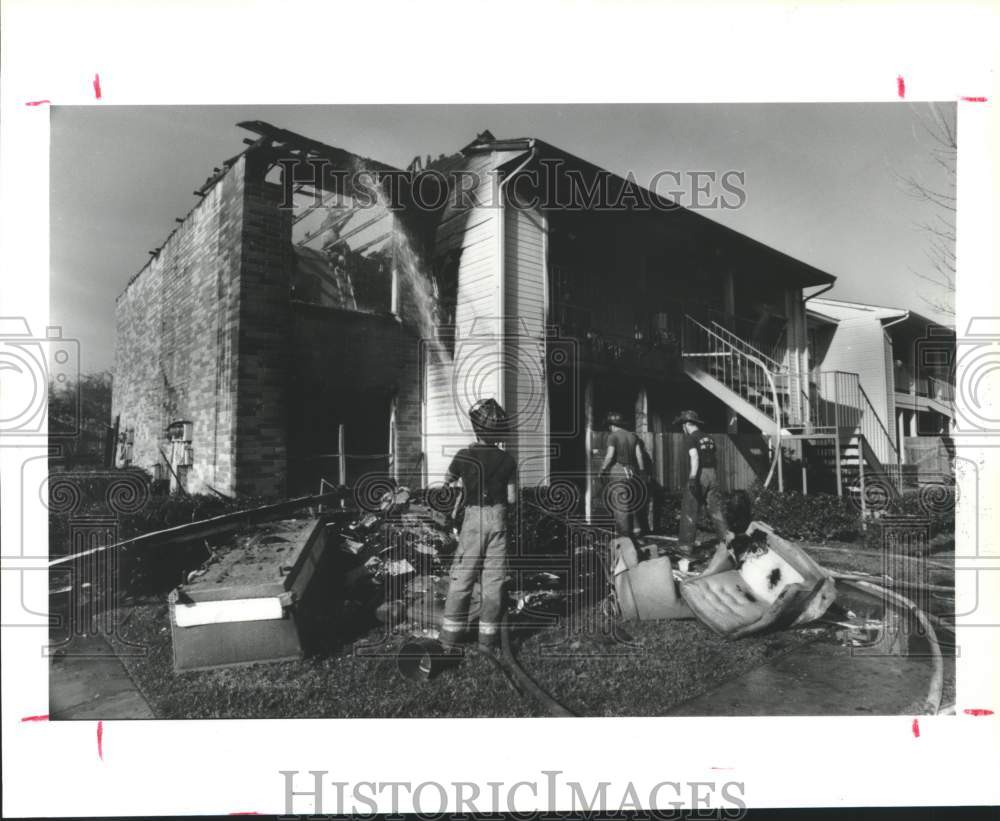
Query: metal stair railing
x=751, y=375
x=744, y=374
x=760, y=375
x=873, y=432
x=873, y=428
x=741, y=344
x=843, y=405
x=799, y=416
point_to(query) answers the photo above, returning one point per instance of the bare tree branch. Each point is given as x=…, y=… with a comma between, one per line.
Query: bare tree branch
x=939, y=129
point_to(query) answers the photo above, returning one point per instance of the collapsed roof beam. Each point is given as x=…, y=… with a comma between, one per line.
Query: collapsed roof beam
x=287, y=145
x=338, y=156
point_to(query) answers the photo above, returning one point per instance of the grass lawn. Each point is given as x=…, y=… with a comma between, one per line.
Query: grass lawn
x=337, y=684
x=590, y=673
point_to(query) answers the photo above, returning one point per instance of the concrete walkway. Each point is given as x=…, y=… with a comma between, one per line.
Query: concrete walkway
x=820, y=678
x=87, y=681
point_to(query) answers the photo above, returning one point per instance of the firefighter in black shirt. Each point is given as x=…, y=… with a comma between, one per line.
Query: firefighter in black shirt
x=488, y=476
x=702, y=484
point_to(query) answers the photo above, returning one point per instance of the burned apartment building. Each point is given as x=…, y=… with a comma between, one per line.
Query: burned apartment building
x=295, y=328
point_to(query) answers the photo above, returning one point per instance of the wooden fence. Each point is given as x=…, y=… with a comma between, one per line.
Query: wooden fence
x=927, y=458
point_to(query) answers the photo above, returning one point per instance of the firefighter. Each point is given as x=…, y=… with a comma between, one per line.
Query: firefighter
x=702, y=487
x=487, y=476
x=624, y=463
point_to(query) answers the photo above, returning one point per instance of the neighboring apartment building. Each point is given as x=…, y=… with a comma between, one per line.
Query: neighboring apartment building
x=904, y=362
x=277, y=340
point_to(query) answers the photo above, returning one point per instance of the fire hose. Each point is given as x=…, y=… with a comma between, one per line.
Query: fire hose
x=933, y=701
x=521, y=681
x=921, y=559
x=507, y=662
x=526, y=686
x=889, y=581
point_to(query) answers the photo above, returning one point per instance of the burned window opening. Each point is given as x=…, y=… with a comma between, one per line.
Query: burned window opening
x=343, y=253
x=179, y=453
x=446, y=286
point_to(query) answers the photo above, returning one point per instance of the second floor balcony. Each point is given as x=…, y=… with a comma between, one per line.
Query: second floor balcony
x=927, y=387
x=651, y=348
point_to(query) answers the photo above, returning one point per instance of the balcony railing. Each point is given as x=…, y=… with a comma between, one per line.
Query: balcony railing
x=652, y=347
x=929, y=387
x=940, y=389
x=630, y=353
x=839, y=403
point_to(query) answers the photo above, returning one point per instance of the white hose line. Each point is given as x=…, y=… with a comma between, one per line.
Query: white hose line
x=937, y=674
x=881, y=578
x=846, y=551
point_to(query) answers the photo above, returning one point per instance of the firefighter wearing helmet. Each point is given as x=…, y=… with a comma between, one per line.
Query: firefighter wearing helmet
x=702, y=485
x=487, y=476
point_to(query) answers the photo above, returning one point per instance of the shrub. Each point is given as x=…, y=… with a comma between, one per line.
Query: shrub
x=76, y=496
x=930, y=508
x=935, y=503
x=818, y=517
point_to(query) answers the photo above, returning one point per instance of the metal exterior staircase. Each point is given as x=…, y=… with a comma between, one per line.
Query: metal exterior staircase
x=744, y=379
x=753, y=405
x=858, y=472
x=834, y=416
x=868, y=456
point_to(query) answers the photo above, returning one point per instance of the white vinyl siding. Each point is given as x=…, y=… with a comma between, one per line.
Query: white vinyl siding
x=527, y=386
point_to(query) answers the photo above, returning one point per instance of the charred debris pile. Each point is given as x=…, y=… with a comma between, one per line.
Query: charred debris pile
x=394, y=562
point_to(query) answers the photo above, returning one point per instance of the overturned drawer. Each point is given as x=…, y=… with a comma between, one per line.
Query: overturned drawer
x=243, y=607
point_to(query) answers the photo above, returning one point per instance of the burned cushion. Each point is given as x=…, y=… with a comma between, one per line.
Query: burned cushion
x=723, y=601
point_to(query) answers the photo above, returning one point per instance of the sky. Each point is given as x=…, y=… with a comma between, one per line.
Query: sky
x=822, y=181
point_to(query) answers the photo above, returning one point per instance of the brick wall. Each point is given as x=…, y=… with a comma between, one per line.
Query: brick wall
x=264, y=350
x=176, y=326
x=207, y=332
